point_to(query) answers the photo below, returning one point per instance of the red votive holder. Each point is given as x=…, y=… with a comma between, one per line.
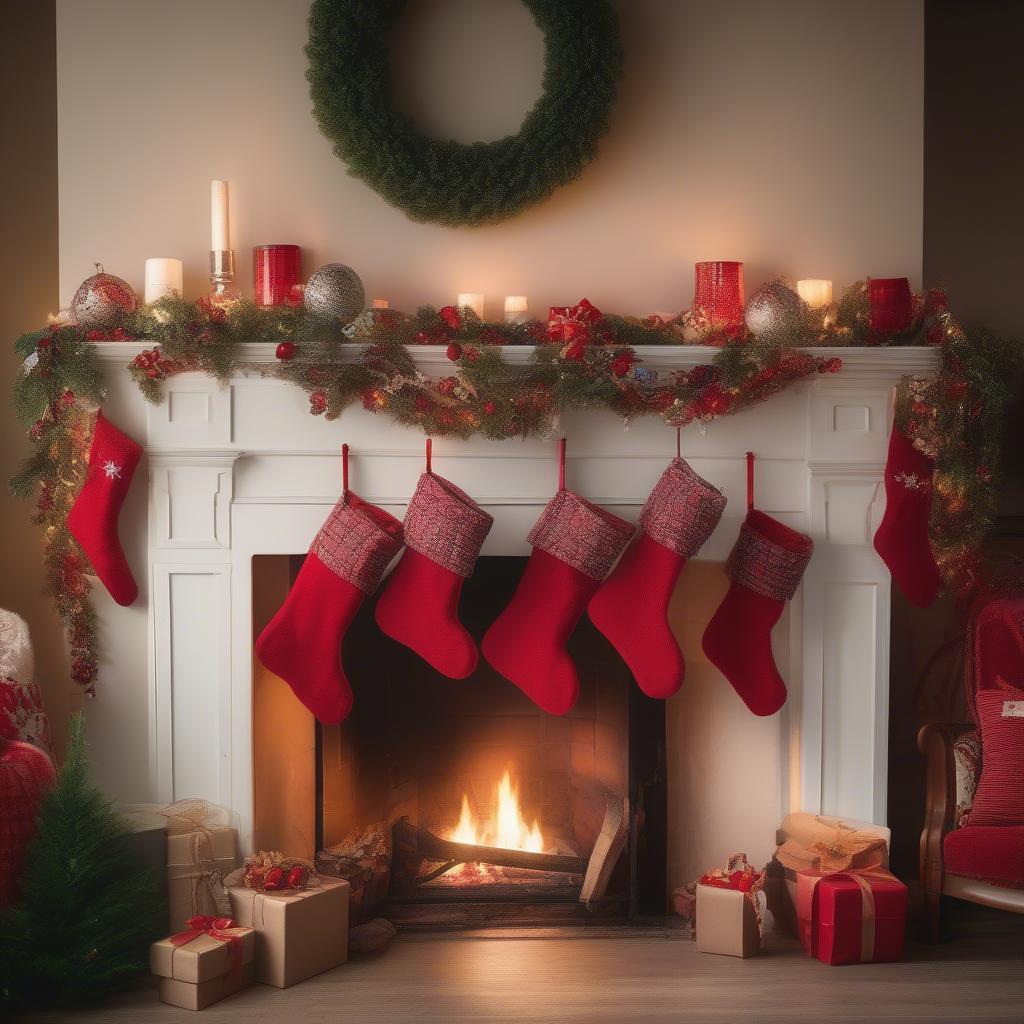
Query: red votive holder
x=891, y=304
x=276, y=270
x=718, y=292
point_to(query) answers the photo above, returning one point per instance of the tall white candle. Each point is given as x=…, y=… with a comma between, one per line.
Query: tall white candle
x=474, y=300
x=816, y=292
x=380, y=304
x=163, y=277
x=220, y=238
x=516, y=309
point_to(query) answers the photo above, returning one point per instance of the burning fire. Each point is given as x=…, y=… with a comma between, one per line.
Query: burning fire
x=507, y=830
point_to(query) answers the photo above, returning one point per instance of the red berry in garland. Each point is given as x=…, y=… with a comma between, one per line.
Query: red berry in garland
x=317, y=403
x=489, y=408
x=285, y=351
x=274, y=879
x=296, y=877
x=95, y=335
x=421, y=338
x=454, y=352
x=956, y=391
x=44, y=343
x=621, y=365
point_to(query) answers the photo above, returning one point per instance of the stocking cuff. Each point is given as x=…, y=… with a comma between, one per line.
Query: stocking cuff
x=769, y=558
x=581, y=534
x=446, y=525
x=682, y=510
x=358, y=541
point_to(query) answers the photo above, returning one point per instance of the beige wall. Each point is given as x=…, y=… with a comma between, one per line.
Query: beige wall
x=787, y=134
x=28, y=291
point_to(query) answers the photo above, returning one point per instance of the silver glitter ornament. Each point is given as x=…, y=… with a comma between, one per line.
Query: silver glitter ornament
x=335, y=292
x=772, y=308
x=103, y=301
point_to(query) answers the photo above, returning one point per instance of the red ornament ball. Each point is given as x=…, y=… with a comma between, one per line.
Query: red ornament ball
x=621, y=365
x=286, y=350
x=317, y=403
x=297, y=876
x=489, y=408
x=454, y=352
x=274, y=879
x=450, y=315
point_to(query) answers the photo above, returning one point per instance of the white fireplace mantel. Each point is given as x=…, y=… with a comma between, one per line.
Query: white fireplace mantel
x=243, y=469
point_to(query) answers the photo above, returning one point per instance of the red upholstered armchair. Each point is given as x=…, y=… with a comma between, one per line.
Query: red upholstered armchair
x=980, y=862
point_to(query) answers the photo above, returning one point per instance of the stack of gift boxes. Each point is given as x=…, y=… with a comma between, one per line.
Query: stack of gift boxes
x=225, y=934
x=828, y=882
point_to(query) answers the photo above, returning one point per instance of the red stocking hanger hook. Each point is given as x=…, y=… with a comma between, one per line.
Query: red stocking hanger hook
x=561, y=463
x=750, y=481
x=344, y=469
x=430, y=452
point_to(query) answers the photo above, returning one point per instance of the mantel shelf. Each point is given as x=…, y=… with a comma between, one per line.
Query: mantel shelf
x=877, y=362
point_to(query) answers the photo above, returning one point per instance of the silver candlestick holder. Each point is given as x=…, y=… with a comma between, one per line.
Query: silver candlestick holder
x=222, y=274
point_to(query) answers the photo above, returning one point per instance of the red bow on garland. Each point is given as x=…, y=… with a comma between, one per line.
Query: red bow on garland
x=216, y=928
x=572, y=323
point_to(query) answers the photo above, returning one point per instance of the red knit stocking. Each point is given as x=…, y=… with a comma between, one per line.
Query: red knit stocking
x=444, y=531
x=631, y=606
x=574, y=545
x=302, y=643
x=93, y=518
x=902, y=538
x=765, y=567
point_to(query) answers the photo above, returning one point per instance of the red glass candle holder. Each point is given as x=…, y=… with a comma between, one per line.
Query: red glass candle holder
x=276, y=270
x=891, y=304
x=718, y=292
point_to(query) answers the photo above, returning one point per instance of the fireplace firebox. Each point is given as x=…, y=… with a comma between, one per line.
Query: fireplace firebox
x=491, y=810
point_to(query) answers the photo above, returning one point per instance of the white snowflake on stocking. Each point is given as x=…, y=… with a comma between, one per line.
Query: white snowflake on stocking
x=112, y=469
x=912, y=482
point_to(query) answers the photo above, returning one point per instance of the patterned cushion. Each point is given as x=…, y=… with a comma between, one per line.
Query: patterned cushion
x=967, y=762
x=986, y=852
x=999, y=799
x=16, y=661
x=22, y=716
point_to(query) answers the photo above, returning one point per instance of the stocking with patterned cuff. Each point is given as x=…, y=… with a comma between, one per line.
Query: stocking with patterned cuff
x=766, y=566
x=444, y=531
x=93, y=518
x=902, y=537
x=302, y=643
x=574, y=543
x=631, y=607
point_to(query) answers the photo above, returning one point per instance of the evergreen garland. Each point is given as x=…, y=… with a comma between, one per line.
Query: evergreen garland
x=443, y=181
x=957, y=419
x=88, y=912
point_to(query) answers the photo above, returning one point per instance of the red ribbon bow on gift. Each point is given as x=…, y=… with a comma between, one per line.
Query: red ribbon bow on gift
x=572, y=323
x=216, y=928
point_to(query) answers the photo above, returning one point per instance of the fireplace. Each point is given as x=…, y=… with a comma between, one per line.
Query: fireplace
x=487, y=810
x=240, y=479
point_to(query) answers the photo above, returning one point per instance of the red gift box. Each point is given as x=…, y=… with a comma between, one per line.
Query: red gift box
x=851, y=917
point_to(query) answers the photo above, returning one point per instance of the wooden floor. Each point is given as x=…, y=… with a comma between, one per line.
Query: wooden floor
x=622, y=979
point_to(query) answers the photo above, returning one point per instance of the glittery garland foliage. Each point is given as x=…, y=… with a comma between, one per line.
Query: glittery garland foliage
x=581, y=360
x=958, y=420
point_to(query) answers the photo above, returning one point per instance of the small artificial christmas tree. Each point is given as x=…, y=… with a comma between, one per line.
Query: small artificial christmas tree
x=88, y=912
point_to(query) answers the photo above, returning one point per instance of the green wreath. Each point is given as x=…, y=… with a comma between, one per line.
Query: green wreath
x=440, y=180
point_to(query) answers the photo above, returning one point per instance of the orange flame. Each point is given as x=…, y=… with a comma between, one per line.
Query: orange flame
x=507, y=830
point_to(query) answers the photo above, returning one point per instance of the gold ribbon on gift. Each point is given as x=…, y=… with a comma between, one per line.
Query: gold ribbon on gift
x=867, y=903
x=192, y=816
x=203, y=872
x=830, y=845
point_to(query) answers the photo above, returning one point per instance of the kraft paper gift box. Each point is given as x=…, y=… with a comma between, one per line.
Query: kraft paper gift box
x=299, y=933
x=197, y=863
x=817, y=842
x=726, y=922
x=851, y=917
x=205, y=969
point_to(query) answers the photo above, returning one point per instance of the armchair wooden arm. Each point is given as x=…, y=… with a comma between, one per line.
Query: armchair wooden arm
x=935, y=741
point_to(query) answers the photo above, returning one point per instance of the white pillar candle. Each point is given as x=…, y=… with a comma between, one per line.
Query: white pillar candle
x=163, y=277
x=220, y=238
x=816, y=292
x=380, y=304
x=474, y=300
x=516, y=309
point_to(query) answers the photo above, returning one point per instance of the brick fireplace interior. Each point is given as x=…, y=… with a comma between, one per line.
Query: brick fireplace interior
x=420, y=749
